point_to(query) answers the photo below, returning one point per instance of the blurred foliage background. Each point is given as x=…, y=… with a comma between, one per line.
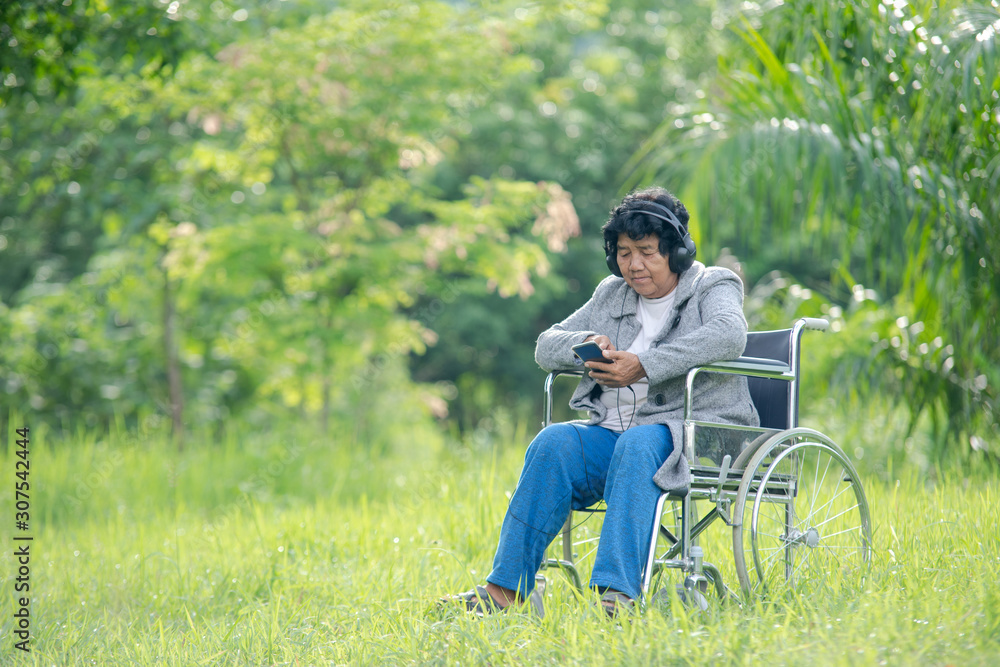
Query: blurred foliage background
x=361, y=214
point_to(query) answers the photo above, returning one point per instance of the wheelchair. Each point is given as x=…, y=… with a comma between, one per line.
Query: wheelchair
x=789, y=495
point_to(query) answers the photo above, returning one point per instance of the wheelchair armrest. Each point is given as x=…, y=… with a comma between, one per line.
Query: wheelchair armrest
x=748, y=366
x=574, y=371
x=551, y=378
x=549, y=381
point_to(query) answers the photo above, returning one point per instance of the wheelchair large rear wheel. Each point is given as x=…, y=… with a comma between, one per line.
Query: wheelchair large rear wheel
x=802, y=520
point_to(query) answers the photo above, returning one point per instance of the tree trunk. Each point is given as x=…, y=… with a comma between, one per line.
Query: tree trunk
x=173, y=365
x=325, y=370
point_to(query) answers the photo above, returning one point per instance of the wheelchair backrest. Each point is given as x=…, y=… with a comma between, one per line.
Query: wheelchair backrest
x=776, y=400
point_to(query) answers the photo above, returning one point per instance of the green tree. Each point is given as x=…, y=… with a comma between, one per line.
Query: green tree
x=599, y=79
x=288, y=223
x=855, y=145
x=71, y=152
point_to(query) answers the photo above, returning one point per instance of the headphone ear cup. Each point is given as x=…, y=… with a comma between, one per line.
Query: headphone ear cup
x=683, y=256
x=612, y=261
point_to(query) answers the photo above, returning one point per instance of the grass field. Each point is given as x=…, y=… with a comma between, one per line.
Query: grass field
x=268, y=550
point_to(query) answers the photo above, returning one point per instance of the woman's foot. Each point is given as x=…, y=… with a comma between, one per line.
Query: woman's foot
x=478, y=601
x=503, y=597
x=490, y=599
x=613, y=602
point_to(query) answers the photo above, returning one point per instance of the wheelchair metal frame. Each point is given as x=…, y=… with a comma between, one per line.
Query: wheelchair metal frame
x=767, y=471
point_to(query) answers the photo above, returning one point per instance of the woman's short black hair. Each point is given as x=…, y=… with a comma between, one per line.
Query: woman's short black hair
x=628, y=218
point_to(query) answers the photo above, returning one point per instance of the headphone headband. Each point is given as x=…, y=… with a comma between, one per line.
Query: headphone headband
x=671, y=217
x=680, y=258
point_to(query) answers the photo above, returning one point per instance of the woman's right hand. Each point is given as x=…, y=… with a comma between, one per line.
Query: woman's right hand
x=602, y=341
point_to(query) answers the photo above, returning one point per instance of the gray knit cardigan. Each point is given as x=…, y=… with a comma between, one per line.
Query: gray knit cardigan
x=706, y=325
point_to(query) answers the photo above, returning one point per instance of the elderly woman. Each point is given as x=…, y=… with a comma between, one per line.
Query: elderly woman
x=659, y=315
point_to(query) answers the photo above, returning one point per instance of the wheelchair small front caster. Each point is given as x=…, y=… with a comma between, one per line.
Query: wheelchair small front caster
x=692, y=593
x=540, y=583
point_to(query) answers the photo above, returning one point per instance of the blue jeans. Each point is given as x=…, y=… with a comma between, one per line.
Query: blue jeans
x=570, y=466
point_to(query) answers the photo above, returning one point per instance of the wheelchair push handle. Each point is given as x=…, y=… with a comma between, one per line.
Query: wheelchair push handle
x=816, y=323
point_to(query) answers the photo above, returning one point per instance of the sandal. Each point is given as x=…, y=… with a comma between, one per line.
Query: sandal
x=613, y=601
x=478, y=601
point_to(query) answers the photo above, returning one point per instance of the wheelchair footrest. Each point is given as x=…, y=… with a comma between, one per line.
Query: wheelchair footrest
x=567, y=567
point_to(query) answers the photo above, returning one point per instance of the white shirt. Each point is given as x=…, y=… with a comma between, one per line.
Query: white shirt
x=621, y=404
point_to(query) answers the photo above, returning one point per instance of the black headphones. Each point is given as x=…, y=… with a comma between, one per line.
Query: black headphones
x=680, y=258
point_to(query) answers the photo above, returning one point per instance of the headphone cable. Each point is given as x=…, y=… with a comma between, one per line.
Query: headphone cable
x=583, y=454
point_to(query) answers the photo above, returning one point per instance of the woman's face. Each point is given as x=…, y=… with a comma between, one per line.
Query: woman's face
x=644, y=268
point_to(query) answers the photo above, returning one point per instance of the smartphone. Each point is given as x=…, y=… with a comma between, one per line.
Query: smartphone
x=591, y=351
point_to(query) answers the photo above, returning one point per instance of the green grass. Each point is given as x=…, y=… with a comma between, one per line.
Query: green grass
x=289, y=550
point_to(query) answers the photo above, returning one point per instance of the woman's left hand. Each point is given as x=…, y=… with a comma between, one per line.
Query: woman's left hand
x=625, y=370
